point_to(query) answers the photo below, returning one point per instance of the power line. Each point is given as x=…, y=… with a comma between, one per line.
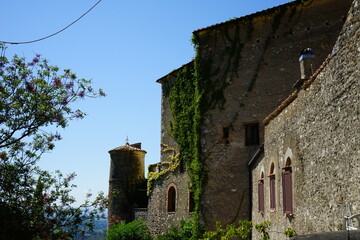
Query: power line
x=51, y=35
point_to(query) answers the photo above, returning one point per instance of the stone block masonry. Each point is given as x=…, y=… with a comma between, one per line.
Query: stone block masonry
x=320, y=132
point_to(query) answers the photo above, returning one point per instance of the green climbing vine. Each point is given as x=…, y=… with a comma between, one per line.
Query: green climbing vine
x=164, y=167
x=188, y=105
x=191, y=93
x=185, y=99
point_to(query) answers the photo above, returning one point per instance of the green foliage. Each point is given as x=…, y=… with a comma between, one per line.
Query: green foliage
x=289, y=232
x=185, y=98
x=171, y=166
x=242, y=230
x=135, y=230
x=34, y=203
x=47, y=210
x=263, y=228
x=34, y=95
x=182, y=232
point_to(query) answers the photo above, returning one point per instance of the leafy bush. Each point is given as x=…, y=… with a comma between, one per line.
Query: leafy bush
x=135, y=230
x=241, y=230
x=182, y=232
x=263, y=228
x=289, y=232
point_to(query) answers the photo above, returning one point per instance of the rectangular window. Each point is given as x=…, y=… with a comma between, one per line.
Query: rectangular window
x=261, y=196
x=191, y=202
x=182, y=165
x=272, y=193
x=252, y=134
x=287, y=190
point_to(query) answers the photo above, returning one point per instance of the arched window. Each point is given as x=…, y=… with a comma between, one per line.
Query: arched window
x=171, y=199
x=287, y=187
x=272, y=187
x=261, y=194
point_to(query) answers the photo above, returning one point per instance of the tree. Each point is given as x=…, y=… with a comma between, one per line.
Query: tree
x=33, y=96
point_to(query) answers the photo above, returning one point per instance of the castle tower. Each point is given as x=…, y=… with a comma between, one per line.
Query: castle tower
x=126, y=174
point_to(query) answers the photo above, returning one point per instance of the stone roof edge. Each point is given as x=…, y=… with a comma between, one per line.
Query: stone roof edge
x=294, y=95
x=256, y=155
x=252, y=15
x=127, y=147
x=162, y=79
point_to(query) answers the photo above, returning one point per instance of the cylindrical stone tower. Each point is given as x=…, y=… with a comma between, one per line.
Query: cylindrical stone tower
x=126, y=172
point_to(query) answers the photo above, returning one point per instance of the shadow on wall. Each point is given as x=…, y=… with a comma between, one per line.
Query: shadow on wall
x=349, y=235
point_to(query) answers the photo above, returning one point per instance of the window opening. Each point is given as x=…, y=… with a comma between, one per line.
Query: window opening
x=287, y=187
x=272, y=187
x=191, y=202
x=261, y=194
x=226, y=134
x=171, y=199
x=252, y=134
x=182, y=165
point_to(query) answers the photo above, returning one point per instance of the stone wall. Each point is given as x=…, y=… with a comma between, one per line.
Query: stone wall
x=140, y=213
x=320, y=132
x=159, y=219
x=249, y=66
x=126, y=175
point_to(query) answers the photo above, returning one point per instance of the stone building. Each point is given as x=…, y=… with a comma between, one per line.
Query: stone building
x=213, y=110
x=127, y=183
x=308, y=177
x=248, y=67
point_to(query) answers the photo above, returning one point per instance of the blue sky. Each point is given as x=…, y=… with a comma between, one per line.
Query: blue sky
x=124, y=47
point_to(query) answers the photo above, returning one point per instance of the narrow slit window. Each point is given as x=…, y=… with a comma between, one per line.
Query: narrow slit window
x=272, y=187
x=191, y=202
x=252, y=134
x=261, y=194
x=287, y=188
x=226, y=135
x=182, y=165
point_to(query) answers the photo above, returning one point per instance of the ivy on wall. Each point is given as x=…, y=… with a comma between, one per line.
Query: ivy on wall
x=163, y=167
x=185, y=99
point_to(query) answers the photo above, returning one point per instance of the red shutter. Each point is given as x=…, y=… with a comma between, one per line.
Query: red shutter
x=261, y=196
x=272, y=193
x=287, y=191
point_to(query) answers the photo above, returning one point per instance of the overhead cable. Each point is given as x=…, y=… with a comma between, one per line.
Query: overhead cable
x=51, y=35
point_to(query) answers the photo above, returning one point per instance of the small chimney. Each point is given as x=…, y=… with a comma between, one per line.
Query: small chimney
x=136, y=145
x=306, y=63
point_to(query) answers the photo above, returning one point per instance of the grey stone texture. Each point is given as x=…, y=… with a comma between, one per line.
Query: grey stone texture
x=126, y=176
x=252, y=64
x=320, y=132
x=140, y=213
x=159, y=218
x=345, y=235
